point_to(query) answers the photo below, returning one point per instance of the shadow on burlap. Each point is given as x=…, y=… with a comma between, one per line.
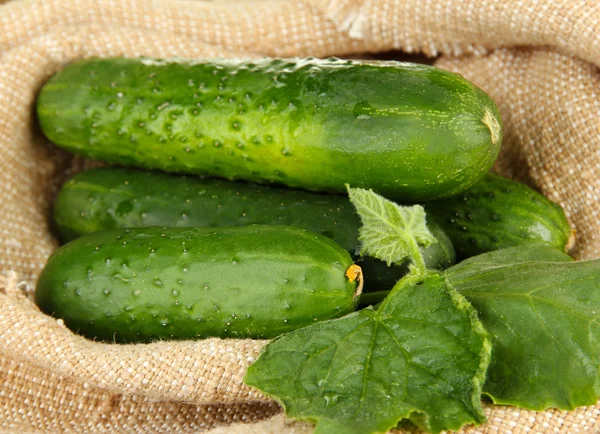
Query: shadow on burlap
x=537, y=59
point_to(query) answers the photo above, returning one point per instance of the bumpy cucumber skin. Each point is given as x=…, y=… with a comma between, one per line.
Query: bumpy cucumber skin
x=144, y=284
x=410, y=131
x=106, y=198
x=497, y=213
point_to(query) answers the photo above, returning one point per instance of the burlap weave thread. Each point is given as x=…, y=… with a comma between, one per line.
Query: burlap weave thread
x=538, y=59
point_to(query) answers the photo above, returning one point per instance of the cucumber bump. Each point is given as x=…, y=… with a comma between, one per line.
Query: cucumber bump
x=144, y=284
x=408, y=131
x=497, y=213
x=108, y=198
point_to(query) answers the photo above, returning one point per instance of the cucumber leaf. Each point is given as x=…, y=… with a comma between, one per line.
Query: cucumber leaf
x=511, y=256
x=544, y=322
x=423, y=354
x=390, y=232
x=484, y=262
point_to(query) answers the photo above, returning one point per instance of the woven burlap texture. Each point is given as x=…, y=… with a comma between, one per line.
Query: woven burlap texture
x=538, y=59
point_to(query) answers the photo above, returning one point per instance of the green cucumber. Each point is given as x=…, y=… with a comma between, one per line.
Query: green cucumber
x=107, y=198
x=407, y=131
x=497, y=213
x=144, y=284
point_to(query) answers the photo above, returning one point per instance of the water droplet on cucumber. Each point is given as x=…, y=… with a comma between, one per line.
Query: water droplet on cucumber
x=363, y=110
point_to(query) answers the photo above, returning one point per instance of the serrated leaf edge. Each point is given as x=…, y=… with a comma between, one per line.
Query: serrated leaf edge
x=412, y=242
x=485, y=354
x=462, y=304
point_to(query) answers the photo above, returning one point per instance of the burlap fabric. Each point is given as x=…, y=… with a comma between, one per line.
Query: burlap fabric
x=538, y=59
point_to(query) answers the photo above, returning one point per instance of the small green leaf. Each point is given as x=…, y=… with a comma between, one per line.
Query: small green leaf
x=544, y=319
x=390, y=232
x=423, y=351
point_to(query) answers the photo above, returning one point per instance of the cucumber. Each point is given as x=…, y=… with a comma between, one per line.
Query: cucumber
x=106, y=198
x=405, y=130
x=497, y=213
x=144, y=284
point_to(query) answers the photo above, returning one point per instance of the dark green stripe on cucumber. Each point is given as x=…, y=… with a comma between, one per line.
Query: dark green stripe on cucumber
x=107, y=198
x=408, y=131
x=144, y=284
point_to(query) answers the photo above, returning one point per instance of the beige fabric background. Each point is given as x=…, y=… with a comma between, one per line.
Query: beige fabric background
x=538, y=59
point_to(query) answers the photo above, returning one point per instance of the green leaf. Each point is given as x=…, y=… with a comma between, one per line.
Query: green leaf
x=512, y=256
x=477, y=264
x=390, y=232
x=544, y=321
x=422, y=352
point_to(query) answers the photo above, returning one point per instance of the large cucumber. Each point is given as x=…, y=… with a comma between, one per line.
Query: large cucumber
x=408, y=131
x=497, y=213
x=107, y=198
x=130, y=285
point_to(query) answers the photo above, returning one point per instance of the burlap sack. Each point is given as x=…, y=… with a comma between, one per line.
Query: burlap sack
x=538, y=59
